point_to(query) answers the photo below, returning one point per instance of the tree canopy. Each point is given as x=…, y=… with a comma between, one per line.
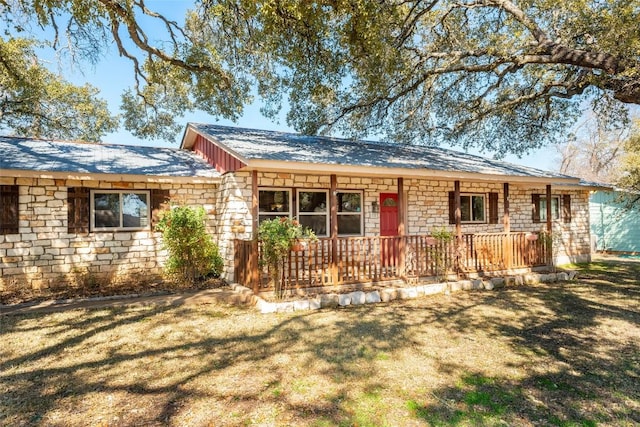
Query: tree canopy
x=504, y=76
x=36, y=102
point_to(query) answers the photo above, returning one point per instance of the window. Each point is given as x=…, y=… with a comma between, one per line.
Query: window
x=350, y=213
x=273, y=203
x=313, y=210
x=555, y=208
x=472, y=207
x=539, y=202
x=119, y=210
x=9, y=219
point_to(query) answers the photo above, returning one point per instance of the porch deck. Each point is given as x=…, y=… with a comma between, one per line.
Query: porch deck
x=367, y=260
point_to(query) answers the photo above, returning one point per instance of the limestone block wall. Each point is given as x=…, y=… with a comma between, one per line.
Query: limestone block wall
x=426, y=204
x=44, y=254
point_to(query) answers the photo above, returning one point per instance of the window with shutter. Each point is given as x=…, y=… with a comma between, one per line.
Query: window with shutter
x=535, y=208
x=493, y=208
x=78, y=210
x=159, y=202
x=566, y=208
x=9, y=218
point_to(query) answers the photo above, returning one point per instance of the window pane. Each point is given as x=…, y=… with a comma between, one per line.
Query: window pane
x=478, y=208
x=465, y=208
x=107, y=209
x=389, y=201
x=312, y=201
x=134, y=210
x=349, y=224
x=555, y=208
x=349, y=202
x=273, y=201
x=317, y=223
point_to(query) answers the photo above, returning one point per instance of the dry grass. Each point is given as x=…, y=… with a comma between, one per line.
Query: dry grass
x=561, y=354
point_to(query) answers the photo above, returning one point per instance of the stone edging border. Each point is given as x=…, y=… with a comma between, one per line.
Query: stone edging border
x=333, y=300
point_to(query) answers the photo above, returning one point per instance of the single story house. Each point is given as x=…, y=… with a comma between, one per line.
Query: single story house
x=69, y=210
x=614, y=228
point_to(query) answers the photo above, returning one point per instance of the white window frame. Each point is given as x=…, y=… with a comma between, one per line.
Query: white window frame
x=271, y=215
x=555, y=215
x=361, y=212
x=92, y=213
x=484, y=208
x=325, y=213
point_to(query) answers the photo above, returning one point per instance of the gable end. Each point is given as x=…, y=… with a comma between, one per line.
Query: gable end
x=220, y=159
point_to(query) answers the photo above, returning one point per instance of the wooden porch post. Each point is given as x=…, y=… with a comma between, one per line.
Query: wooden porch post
x=333, y=224
x=458, y=217
x=506, y=221
x=253, y=258
x=549, y=227
x=401, y=229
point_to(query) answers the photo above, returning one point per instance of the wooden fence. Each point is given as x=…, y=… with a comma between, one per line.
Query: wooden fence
x=373, y=259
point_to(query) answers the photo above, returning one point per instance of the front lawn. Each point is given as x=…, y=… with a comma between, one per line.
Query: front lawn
x=557, y=354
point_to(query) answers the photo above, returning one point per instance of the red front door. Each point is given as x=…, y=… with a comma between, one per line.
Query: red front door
x=388, y=214
x=389, y=228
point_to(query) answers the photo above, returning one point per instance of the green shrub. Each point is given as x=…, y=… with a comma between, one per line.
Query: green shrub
x=278, y=236
x=192, y=253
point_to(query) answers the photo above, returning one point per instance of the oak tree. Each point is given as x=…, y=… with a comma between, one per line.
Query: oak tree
x=36, y=102
x=505, y=76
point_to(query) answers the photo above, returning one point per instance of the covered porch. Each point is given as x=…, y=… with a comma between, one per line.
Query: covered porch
x=371, y=260
x=340, y=260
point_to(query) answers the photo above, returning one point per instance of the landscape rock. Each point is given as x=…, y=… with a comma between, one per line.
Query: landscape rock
x=284, y=307
x=266, y=307
x=476, y=284
x=388, y=294
x=357, y=298
x=315, y=303
x=406, y=293
x=301, y=305
x=329, y=300
x=436, y=288
x=344, y=299
x=498, y=282
x=372, y=297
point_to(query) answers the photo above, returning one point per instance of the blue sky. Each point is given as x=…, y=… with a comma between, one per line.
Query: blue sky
x=113, y=74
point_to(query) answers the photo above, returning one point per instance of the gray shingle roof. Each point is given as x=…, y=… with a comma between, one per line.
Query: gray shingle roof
x=26, y=154
x=251, y=144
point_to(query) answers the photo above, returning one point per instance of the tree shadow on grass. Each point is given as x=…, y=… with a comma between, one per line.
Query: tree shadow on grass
x=239, y=360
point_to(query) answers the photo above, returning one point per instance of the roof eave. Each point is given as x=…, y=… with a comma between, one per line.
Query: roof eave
x=375, y=171
x=110, y=177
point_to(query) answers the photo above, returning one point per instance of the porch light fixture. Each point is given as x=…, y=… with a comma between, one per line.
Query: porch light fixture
x=375, y=207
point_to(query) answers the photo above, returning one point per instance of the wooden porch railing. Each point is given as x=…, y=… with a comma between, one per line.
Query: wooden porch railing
x=373, y=259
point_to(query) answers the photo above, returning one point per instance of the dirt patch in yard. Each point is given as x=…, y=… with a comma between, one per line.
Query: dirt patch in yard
x=564, y=354
x=25, y=295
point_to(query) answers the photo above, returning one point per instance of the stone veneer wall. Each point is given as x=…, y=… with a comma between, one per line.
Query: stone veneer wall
x=45, y=255
x=427, y=208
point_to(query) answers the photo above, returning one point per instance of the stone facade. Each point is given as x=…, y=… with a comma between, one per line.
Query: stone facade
x=426, y=206
x=44, y=254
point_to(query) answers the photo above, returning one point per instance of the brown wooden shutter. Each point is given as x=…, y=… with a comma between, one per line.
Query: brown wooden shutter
x=452, y=207
x=493, y=208
x=566, y=208
x=535, y=206
x=9, y=218
x=78, y=209
x=159, y=202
